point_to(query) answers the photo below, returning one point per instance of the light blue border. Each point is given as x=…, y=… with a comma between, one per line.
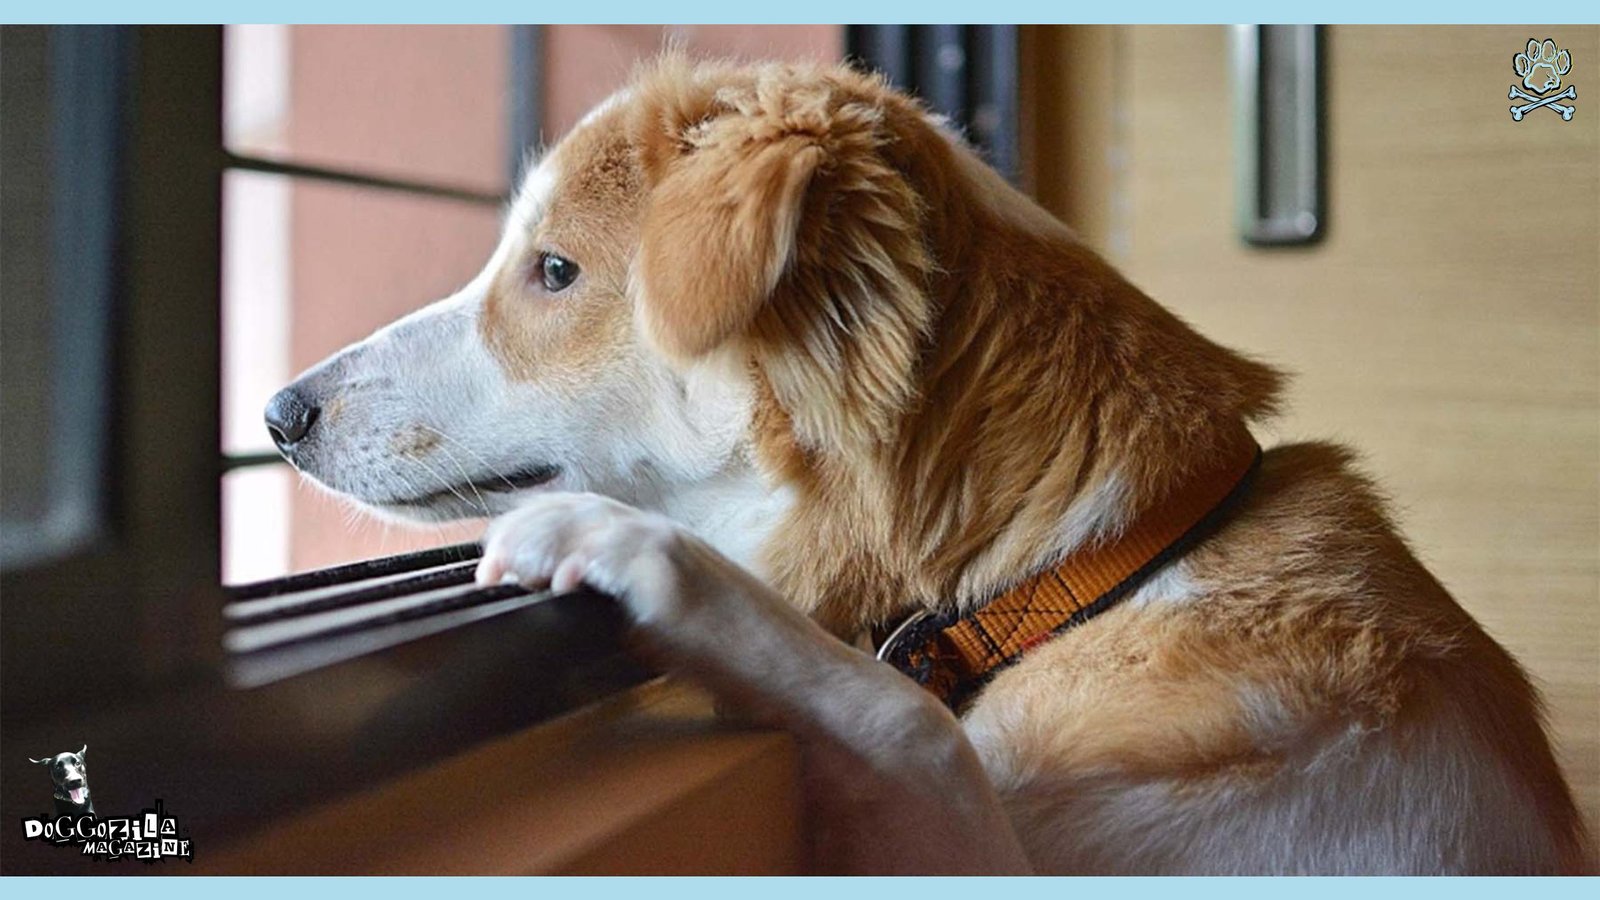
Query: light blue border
x=412, y=11
x=207, y=888
x=635, y=11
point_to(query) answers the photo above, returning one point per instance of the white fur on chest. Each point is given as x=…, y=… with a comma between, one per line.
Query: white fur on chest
x=734, y=512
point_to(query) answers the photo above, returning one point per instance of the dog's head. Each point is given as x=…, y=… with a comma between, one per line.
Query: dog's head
x=587, y=355
x=792, y=271
x=70, y=773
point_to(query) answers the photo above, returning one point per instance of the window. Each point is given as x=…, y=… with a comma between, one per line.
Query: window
x=114, y=633
x=354, y=174
x=369, y=167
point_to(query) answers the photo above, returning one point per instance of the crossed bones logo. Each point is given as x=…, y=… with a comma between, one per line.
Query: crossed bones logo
x=1541, y=67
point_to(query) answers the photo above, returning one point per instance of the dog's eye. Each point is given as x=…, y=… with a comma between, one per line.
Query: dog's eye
x=557, y=273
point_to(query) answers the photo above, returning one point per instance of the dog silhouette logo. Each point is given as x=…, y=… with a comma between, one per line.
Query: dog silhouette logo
x=151, y=836
x=69, y=772
x=1541, y=66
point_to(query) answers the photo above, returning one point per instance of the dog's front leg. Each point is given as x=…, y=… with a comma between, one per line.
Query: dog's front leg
x=892, y=783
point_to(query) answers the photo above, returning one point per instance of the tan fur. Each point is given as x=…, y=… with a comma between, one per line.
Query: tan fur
x=942, y=375
x=594, y=218
x=1311, y=601
x=941, y=382
x=414, y=441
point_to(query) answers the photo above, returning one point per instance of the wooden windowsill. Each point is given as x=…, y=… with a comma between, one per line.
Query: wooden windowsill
x=647, y=782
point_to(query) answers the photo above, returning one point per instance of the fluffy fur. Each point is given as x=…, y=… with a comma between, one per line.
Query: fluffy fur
x=836, y=370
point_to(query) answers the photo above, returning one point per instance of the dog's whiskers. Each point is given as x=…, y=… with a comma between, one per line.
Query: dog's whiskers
x=415, y=489
x=465, y=477
x=473, y=453
x=448, y=486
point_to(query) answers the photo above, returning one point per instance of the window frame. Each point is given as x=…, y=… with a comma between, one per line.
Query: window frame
x=969, y=73
x=524, y=115
x=119, y=644
x=159, y=114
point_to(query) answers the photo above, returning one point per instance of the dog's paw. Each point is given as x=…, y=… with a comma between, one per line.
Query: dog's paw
x=564, y=540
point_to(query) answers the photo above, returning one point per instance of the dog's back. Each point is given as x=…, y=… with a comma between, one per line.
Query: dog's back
x=1300, y=697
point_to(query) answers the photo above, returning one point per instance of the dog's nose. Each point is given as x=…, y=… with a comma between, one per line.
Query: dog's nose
x=289, y=418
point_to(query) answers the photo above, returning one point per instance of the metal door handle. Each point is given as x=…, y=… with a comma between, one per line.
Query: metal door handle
x=1277, y=76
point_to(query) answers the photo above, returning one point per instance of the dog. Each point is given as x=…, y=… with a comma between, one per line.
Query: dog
x=70, y=774
x=770, y=355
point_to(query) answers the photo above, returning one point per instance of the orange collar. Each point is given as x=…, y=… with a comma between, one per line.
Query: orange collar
x=955, y=654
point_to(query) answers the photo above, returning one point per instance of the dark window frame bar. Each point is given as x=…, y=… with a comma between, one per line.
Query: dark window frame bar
x=358, y=179
x=153, y=560
x=525, y=98
x=968, y=73
x=62, y=198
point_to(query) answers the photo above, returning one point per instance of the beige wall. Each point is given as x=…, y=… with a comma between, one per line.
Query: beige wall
x=1448, y=327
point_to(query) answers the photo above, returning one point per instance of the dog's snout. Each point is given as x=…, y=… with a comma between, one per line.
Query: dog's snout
x=290, y=416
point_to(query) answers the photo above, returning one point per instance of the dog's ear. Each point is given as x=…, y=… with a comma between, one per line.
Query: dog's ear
x=719, y=232
x=41, y=762
x=777, y=221
x=84, y=753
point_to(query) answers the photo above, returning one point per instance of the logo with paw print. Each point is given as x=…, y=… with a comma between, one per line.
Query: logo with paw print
x=1541, y=67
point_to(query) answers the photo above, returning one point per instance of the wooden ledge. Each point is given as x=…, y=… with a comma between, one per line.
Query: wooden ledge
x=647, y=782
